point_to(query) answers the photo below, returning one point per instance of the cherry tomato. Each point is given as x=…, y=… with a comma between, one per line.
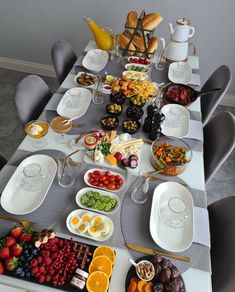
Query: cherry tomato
x=105, y=182
x=110, y=186
x=100, y=185
x=117, y=177
x=117, y=186
x=95, y=183
x=97, y=172
x=107, y=173
x=119, y=181
x=102, y=178
x=111, y=178
x=90, y=180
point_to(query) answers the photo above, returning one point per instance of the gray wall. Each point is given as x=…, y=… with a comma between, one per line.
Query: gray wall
x=28, y=28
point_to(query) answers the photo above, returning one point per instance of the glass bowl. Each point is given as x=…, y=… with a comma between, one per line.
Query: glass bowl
x=170, y=155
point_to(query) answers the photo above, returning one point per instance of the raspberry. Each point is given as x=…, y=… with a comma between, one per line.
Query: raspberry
x=39, y=259
x=47, y=246
x=48, y=278
x=41, y=279
x=33, y=263
x=35, y=270
x=42, y=269
x=37, y=275
x=55, y=255
x=47, y=261
x=45, y=253
x=54, y=247
x=53, y=240
x=60, y=243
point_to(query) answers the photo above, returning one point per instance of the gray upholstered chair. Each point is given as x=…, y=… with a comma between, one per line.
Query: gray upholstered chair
x=3, y=161
x=63, y=58
x=222, y=222
x=221, y=78
x=219, y=141
x=32, y=95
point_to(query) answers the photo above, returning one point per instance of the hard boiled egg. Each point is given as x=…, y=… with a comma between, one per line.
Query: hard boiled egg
x=82, y=227
x=74, y=221
x=87, y=217
x=94, y=232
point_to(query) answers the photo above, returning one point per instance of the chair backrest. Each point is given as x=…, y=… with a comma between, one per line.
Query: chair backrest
x=222, y=222
x=32, y=95
x=63, y=58
x=221, y=78
x=3, y=161
x=219, y=141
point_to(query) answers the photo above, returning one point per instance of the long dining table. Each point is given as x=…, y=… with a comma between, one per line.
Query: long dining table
x=197, y=277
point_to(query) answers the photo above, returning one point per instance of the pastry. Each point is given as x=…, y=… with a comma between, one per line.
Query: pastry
x=151, y=20
x=124, y=41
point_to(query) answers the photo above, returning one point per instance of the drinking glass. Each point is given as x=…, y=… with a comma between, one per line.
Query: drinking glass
x=33, y=179
x=74, y=100
x=59, y=126
x=139, y=194
x=64, y=174
x=174, y=213
x=97, y=97
x=37, y=130
x=115, y=53
x=174, y=118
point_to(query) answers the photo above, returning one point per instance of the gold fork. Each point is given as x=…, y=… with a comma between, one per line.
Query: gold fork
x=24, y=223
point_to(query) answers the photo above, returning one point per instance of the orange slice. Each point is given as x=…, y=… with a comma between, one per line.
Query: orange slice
x=97, y=282
x=101, y=263
x=107, y=251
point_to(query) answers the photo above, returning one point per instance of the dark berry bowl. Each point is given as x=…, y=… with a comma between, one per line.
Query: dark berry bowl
x=109, y=123
x=134, y=112
x=118, y=97
x=130, y=126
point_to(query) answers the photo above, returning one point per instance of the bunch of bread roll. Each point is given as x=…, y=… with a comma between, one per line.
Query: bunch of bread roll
x=137, y=47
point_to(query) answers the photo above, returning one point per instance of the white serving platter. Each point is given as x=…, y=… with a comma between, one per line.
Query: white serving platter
x=183, y=127
x=134, y=75
x=80, y=213
x=86, y=177
x=129, y=65
x=102, y=193
x=135, y=57
x=95, y=60
x=18, y=201
x=74, y=106
x=180, y=72
x=168, y=238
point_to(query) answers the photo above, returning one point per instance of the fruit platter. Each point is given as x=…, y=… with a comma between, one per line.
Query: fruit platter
x=154, y=274
x=44, y=258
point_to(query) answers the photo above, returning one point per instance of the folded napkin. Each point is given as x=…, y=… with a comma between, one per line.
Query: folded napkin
x=194, y=62
x=195, y=130
x=201, y=227
x=196, y=80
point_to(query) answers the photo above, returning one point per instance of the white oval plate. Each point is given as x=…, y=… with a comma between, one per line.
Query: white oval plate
x=80, y=213
x=86, y=86
x=168, y=238
x=183, y=129
x=15, y=199
x=101, y=192
x=180, y=72
x=103, y=170
x=127, y=66
x=75, y=106
x=132, y=76
x=95, y=60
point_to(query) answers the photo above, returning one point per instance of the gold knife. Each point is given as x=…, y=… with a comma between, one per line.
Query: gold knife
x=154, y=252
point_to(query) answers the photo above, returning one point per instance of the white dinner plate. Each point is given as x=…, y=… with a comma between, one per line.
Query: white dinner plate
x=86, y=177
x=102, y=193
x=169, y=238
x=18, y=201
x=180, y=72
x=80, y=213
x=180, y=128
x=95, y=60
x=74, y=103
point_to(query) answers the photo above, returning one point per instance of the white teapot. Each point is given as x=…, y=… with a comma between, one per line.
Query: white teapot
x=182, y=31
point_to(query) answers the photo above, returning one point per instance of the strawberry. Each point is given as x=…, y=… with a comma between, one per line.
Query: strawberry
x=25, y=236
x=11, y=263
x=4, y=252
x=16, y=231
x=16, y=250
x=8, y=241
x=1, y=268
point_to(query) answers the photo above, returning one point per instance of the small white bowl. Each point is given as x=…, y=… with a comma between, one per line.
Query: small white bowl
x=141, y=66
x=87, y=86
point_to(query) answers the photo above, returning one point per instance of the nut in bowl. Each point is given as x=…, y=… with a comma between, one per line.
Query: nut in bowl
x=170, y=156
x=109, y=123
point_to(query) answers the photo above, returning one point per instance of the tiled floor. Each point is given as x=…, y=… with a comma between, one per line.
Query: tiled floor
x=11, y=133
